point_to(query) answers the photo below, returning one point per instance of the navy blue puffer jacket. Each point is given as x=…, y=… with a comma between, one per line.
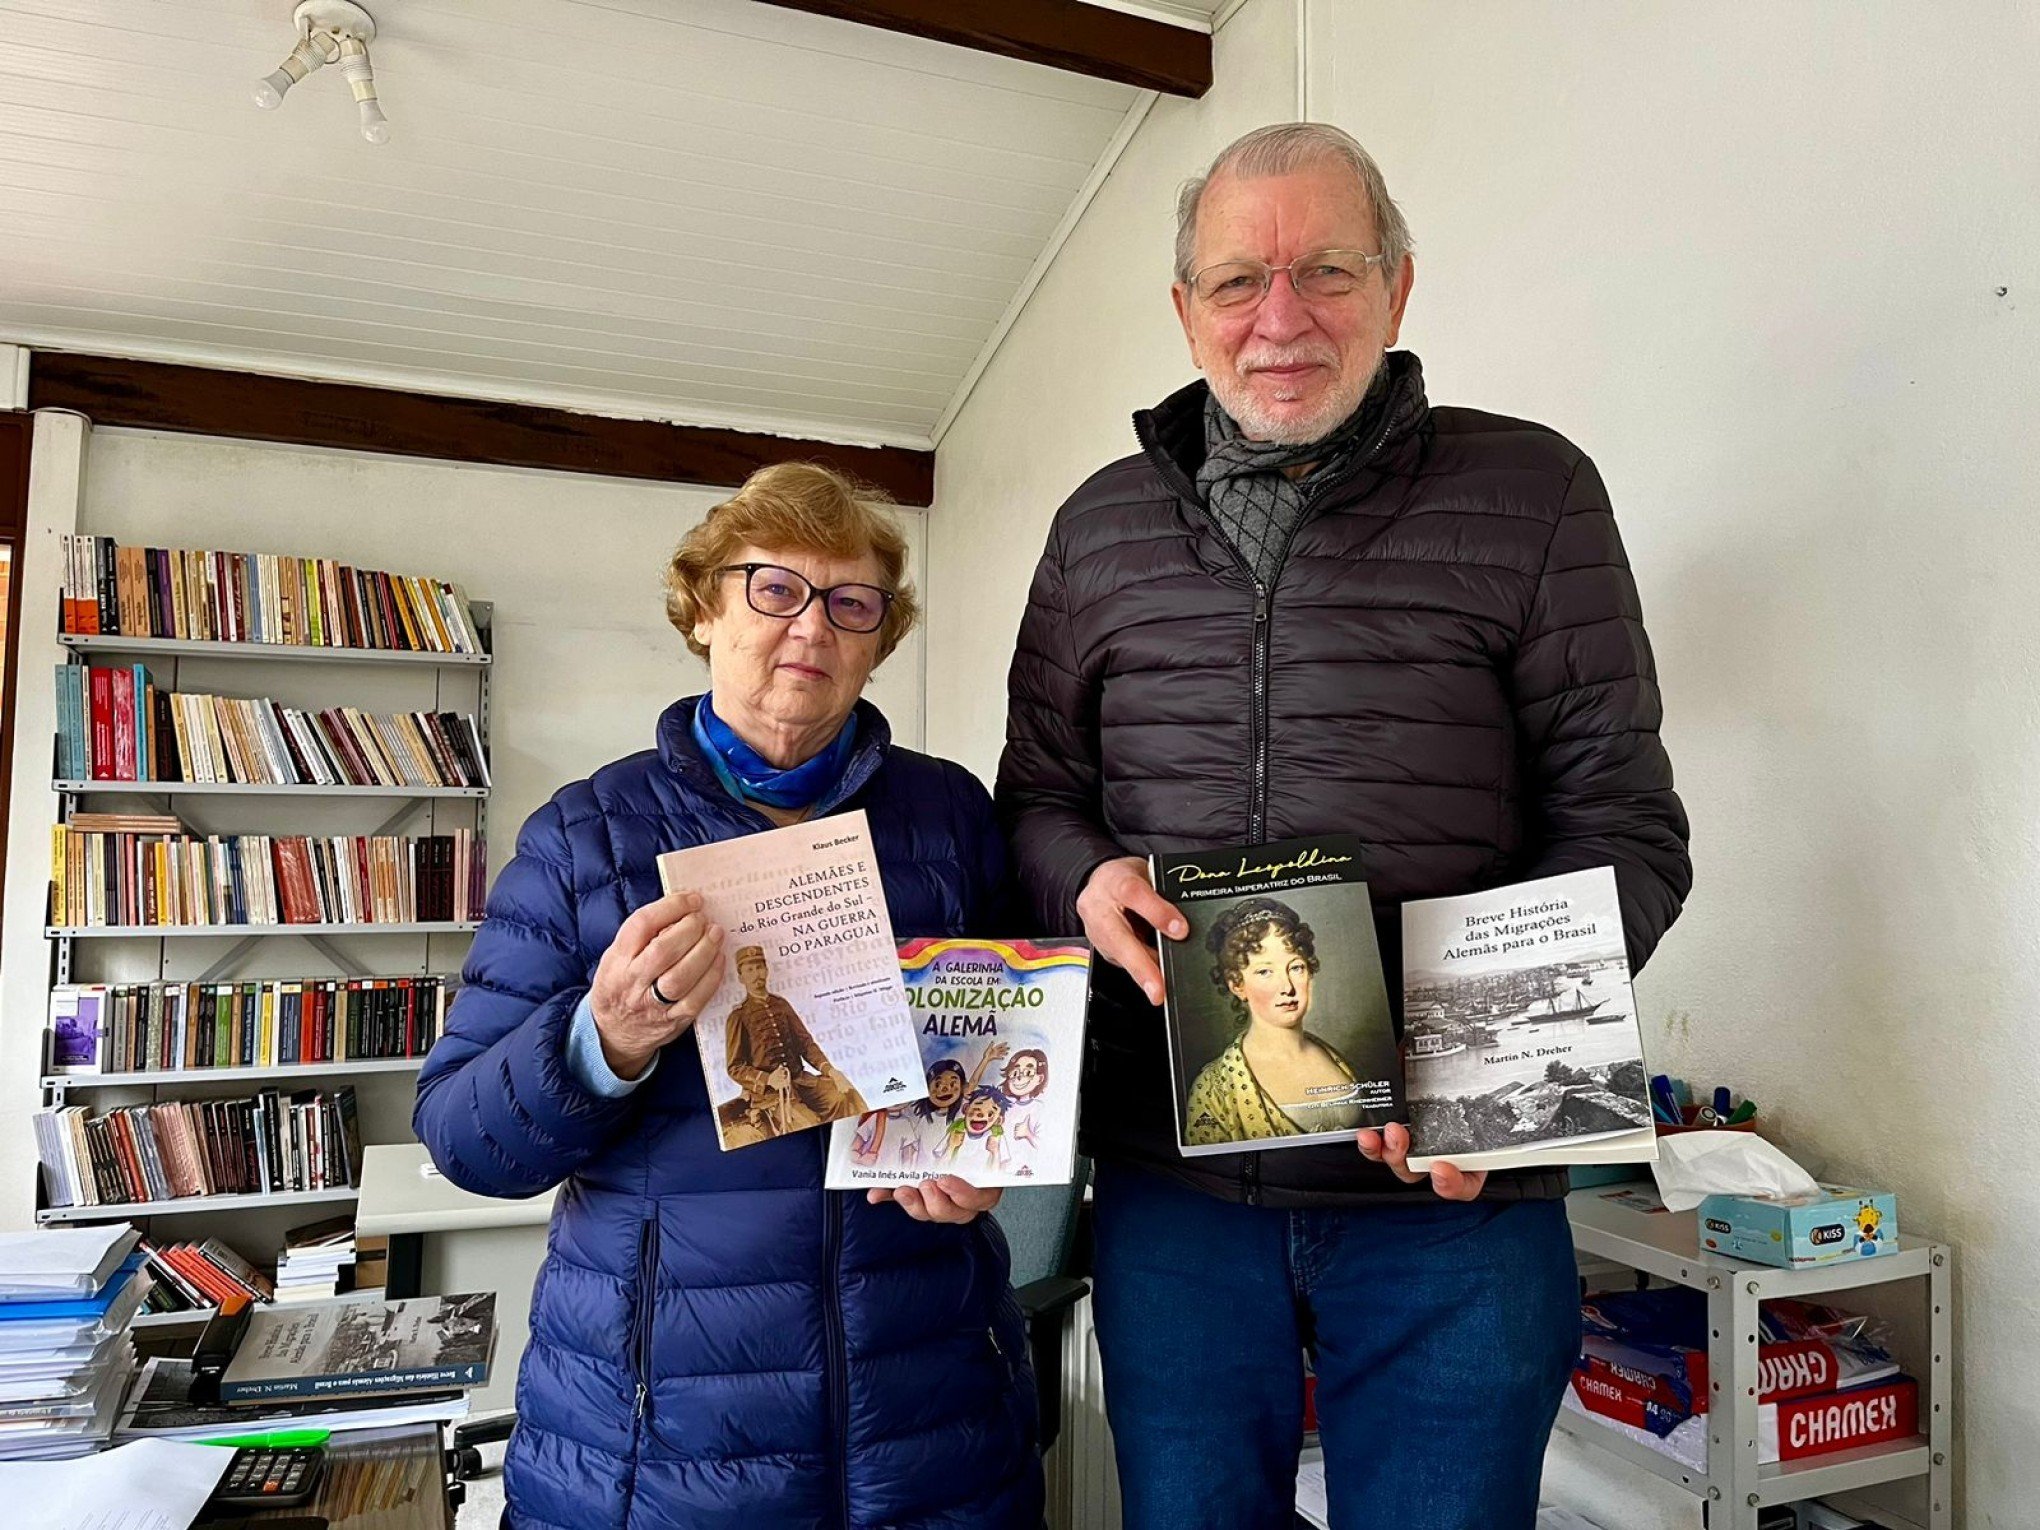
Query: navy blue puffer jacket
x=715, y=1339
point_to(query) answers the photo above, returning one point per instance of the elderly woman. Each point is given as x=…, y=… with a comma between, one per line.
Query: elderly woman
x=715, y=1339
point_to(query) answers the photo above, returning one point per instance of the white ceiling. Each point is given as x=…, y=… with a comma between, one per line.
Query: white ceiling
x=712, y=211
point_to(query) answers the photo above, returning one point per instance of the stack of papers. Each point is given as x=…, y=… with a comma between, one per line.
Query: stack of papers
x=67, y=1297
x=314, y=1259
x=150, y=1485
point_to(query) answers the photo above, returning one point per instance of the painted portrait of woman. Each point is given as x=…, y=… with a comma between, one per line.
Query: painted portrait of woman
x=1274, y=1078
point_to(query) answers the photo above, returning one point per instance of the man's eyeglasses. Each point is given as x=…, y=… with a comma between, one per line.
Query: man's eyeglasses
x=1323, y=277
x=775, y=591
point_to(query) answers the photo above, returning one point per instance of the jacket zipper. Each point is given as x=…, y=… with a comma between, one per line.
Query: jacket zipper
x=837, y=1361
x=648, y=1287
x=1264, y=597
x=1257, y=800
x=641, y=1349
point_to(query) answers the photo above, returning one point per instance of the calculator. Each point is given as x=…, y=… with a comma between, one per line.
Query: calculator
x=260, y=1477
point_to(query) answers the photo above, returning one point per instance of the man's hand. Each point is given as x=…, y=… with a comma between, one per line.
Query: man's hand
x=1391, y=1145
x=1116, y=890
x=779, y=1078
x=669, y=943
x=947, y=1199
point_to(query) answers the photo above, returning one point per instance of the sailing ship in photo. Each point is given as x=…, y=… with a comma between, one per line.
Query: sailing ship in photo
x=1520, y=1029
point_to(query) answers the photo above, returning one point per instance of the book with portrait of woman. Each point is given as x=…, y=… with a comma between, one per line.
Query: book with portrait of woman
x=1001, y=1030
x=1279, y=1027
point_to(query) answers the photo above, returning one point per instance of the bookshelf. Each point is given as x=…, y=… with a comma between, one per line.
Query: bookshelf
x=186, y=1205
x=56, y=1086
x=161, y=953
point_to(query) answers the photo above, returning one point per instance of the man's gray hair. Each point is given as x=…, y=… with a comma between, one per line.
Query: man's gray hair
x=1278, y=150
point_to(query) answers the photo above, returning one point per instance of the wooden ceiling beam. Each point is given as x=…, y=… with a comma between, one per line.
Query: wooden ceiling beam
x=1063, y=34
x=253, y=406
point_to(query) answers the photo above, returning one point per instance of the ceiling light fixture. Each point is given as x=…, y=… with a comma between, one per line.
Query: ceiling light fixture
x=331, y=32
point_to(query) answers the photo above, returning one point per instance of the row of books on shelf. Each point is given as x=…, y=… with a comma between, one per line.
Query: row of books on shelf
x=167, y=1026
x=270, y=1142
x=114, y=869
x=318, y=1260
x=115, y=724
x=159, y=592
x=188, y=1277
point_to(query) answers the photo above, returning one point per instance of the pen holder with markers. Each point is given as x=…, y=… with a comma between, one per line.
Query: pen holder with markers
x=1689, y=1122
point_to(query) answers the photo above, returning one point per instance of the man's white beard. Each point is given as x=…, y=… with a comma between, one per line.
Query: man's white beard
x=1256, y=423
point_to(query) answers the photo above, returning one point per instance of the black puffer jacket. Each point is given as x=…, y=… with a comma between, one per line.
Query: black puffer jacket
x=1452, y=665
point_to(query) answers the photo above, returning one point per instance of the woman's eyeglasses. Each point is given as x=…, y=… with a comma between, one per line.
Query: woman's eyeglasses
x=782, y=593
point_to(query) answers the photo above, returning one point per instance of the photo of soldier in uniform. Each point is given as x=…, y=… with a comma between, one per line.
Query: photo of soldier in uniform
x=788, y=1083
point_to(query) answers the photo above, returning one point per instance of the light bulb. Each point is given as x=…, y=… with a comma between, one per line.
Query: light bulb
x=269, y=90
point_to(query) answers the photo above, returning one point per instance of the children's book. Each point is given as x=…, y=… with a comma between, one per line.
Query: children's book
x=1521, y=1045
x=1280, y=1033
x=810, y=1024
x=1001, y=1030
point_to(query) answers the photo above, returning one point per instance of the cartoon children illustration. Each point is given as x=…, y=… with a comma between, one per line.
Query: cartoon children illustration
x=1024, y=1085
x=1869, y=1222
x=917, y=1134
x=977, y=1137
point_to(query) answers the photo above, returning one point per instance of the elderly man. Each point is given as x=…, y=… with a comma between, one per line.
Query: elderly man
x=1312, y=602
x=769, y=1052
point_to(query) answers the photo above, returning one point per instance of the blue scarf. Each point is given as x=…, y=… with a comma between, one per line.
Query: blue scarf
x=748, y=776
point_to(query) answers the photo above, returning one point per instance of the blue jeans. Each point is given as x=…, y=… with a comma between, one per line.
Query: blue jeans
x=1443, y=1335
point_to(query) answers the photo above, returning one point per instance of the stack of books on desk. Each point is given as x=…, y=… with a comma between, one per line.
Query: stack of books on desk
x=317, y=1259
x=67, y=1297
x=350, y=1363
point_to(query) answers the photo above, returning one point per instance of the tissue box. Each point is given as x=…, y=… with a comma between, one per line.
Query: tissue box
x=1802, y=1231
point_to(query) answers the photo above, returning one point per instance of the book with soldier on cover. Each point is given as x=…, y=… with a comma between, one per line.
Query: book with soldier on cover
x=1001, y=1028
x=1521, y=1045
x=810, y=1024
x=1280, y=1033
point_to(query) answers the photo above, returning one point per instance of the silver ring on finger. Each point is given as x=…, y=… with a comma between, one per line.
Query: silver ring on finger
x=660, y=995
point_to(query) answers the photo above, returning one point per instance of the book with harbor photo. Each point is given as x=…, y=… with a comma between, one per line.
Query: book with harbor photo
x=158, y=1405
x=361, y=1346
x=1001, y=1031
x=1521, y=1042
x=810, y=1023
x=1280, y=1032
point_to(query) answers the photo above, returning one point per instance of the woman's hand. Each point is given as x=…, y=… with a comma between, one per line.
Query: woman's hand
x=947, y=1199
x=671, y=944
x=1391, y=1145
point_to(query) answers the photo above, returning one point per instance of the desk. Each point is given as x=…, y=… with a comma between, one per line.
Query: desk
x=482, y=1244
x=379, y=1479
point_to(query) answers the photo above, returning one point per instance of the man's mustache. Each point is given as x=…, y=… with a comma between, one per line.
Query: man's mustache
x=1310, y=356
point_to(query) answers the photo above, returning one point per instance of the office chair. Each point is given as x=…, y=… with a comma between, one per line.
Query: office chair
x=1040, y=1223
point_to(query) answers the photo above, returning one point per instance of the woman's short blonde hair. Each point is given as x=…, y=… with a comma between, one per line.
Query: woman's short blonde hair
x=791, y=507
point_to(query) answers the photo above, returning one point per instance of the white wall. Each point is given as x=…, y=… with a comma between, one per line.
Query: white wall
x=585, y=659
x=1751, y=258
x=1097, y=341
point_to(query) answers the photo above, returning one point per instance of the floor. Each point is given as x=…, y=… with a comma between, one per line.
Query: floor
x=484, y=1506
